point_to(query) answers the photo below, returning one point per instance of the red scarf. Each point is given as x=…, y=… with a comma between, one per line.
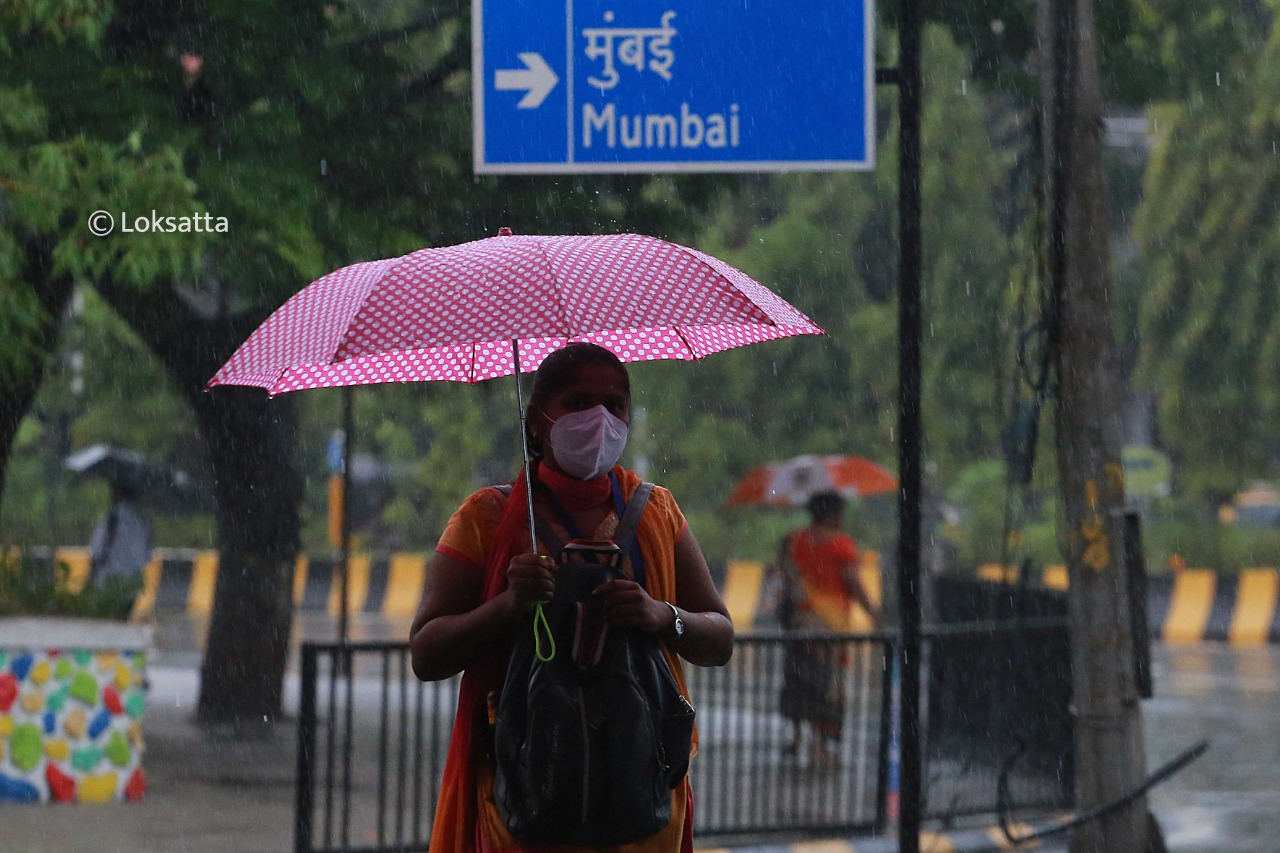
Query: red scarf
x=571, y=492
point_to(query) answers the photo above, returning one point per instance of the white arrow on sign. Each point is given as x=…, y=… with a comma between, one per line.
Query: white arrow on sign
x=536, y=77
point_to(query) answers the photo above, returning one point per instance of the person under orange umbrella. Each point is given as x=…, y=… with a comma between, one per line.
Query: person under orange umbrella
x=819, y=565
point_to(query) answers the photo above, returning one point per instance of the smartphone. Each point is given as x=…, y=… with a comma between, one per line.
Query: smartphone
x=593, y=552
x=584, y=565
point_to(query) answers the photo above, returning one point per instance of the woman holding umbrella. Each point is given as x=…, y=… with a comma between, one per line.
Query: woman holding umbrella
x=482, y=582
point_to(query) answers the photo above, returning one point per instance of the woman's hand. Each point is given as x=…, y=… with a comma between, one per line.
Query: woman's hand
x=530, y=579
x=629, y=605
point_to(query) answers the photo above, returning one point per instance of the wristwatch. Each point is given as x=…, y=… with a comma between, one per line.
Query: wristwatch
x=678, y=625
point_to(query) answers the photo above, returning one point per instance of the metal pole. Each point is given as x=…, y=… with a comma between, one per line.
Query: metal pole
x=524, y=445
x=1060, y=118
x=910, y=86
x=348, y=440
x=304, y=807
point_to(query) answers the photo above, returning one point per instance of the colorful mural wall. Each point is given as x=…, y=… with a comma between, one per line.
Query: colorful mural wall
x=71, y=724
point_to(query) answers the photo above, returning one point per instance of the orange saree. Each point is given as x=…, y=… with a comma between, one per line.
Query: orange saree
x=487, y=531
x=820, y=563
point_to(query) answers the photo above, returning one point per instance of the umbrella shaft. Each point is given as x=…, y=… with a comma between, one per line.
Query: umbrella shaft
x=524, y=444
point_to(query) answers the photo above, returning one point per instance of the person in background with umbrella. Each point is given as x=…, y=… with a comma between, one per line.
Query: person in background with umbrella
x=819, y=566
x=482, y=582
x=121, y=544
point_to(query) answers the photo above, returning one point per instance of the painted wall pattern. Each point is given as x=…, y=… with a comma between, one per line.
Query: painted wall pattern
x=71, y=725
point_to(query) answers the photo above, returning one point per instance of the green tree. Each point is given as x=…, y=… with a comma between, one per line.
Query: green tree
x=50, y=181
x=1149, y=49
x=323, y=134
x=1209, y=231
x=827, y=243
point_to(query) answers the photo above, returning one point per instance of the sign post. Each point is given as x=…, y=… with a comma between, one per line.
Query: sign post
x=672, y=86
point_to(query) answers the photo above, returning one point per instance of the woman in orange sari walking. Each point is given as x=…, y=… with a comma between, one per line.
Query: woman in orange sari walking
x=820, y=569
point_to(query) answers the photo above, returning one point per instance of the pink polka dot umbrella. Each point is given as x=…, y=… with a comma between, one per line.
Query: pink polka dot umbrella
x=454, y=313
x=499, y=306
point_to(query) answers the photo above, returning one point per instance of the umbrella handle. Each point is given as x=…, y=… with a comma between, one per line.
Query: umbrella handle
x=540, y=621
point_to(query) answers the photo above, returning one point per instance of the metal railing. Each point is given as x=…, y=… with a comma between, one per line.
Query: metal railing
x=999, y=733
x=747, y=780
x=372, y=741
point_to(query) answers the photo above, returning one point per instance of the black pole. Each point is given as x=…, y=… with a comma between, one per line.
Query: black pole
x=1060, y=118
x=304, y=803
x=348, y=431
x=910, y=86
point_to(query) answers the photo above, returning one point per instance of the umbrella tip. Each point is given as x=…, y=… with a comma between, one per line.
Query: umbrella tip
x=504, y=231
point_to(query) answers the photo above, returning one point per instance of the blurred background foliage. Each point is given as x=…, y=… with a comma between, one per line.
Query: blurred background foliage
x=1195, y=231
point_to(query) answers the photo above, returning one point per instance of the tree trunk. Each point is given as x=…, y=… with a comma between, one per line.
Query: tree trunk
x=18, y=393
x=249, y=440
x=1110, y=761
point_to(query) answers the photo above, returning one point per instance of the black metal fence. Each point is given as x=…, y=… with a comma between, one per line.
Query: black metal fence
x=748, y=780
x=999, y=732
x=371, y=747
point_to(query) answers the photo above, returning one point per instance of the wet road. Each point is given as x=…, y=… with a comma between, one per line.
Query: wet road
x=1228, y=801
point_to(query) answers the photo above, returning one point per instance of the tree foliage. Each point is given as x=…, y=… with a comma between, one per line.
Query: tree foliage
x=1209, y=228
x=1149, y=49
x=827, y=243
x=323, y=134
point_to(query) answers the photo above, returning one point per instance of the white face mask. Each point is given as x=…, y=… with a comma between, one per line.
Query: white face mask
x=587, y=444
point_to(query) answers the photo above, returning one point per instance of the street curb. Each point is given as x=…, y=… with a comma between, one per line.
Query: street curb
x=984, y=840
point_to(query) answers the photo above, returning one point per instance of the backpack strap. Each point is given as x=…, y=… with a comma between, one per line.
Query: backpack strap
x=629, y=521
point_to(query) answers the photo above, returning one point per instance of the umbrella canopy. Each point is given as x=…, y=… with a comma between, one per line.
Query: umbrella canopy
x=792, y=482
x=453, y=313
x=499, y=306
x=154, y=483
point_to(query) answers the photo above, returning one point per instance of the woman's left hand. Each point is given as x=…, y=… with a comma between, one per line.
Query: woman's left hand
x=629, y=605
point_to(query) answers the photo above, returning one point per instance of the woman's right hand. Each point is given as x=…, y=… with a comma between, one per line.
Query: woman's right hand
x=530, y=579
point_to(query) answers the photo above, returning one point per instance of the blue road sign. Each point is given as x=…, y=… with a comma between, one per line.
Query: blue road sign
x=672, y=85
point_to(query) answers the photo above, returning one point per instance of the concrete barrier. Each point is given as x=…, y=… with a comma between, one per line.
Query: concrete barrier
x=1187, y=606
x=184, y=580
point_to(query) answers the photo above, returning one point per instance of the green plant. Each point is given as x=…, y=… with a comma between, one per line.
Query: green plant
x=1209, y=544
x=31, y=587
x=979, y=492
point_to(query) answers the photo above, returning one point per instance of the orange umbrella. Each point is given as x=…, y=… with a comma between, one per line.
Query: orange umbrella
x=792, y=482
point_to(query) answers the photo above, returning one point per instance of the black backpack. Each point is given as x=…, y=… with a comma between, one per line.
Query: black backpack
x=588, y=756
